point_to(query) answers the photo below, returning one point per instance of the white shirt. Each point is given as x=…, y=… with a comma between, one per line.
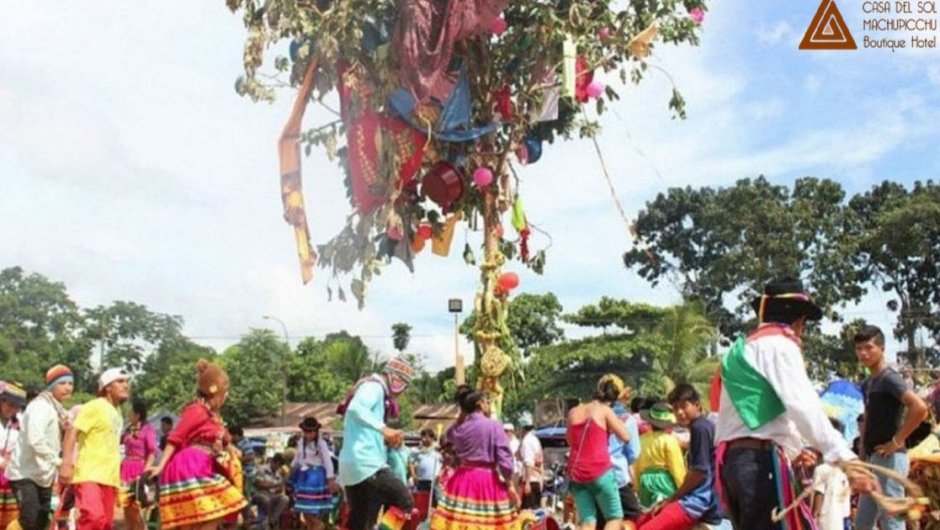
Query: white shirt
x=514, y=444
x=8, y=436
x=832, y=483
x=314, y=455
x=780, y=360
x=36, y=454
x=531, y=453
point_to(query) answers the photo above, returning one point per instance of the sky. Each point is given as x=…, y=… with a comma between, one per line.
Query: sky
x=131, y=170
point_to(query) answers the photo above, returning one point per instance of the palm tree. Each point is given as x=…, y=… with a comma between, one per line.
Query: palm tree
x=685, y=334
x=348, y=356
x=401, y=335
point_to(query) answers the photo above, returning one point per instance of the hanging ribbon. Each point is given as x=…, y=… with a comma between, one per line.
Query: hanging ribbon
x=292, y=195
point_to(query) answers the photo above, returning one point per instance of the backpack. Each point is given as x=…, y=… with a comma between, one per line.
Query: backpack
x=392, y=408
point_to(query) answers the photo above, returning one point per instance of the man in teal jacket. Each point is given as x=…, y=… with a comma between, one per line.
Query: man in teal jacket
x=363, y=460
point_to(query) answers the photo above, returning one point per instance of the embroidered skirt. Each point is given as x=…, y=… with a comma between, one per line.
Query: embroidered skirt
x=311, y=496
x=8, y=510
x=474, y=499
x=131, y=470
x=193, y=491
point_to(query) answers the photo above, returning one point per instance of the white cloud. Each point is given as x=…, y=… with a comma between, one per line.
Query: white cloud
x=779, y=32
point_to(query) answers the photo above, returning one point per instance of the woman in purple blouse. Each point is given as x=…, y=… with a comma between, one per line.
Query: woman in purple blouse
x=479, y=495
x=140, y=448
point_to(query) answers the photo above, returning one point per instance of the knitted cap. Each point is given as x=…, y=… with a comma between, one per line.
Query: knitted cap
x=57, y=374
x=211, y=379
x=399, y=367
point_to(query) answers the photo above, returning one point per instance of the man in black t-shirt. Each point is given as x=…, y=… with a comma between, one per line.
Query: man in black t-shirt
x=883, y=434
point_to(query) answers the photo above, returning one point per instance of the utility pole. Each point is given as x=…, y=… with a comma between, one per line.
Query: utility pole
x=284, y=367
x=455, y=306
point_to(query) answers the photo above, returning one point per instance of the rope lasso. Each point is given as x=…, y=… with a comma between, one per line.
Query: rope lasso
x=914, y=503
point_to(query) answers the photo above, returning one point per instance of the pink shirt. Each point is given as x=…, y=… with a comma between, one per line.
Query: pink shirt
x=141, y=445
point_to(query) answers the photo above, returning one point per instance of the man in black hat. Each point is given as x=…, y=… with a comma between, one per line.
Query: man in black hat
x=768, y=407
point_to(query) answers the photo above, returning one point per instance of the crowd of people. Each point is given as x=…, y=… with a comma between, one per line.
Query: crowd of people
x=649, y=464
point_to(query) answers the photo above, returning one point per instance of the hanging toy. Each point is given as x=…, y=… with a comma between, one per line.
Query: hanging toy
x=499, y=26
x=508, y=281
x=482, y=177
x=394, y=233
x=425, y=232
x=595, y=89
x=529, y=151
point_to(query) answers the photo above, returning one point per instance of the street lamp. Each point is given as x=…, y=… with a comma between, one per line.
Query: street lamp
x=455, y=306
x=284, y=366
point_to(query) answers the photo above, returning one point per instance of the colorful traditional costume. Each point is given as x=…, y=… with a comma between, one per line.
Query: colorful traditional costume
x=476, y=496
x=196, y=485
x=768, y=406
x=660, y=469
x=311, y=470
x=9, y=433
x=140, y=443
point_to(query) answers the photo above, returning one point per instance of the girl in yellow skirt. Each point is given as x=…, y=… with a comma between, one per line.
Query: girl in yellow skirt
x=197, y=490
x=479, y=495
x=12, y=399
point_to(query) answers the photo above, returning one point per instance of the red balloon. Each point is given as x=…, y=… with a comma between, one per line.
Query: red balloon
x=508, y=281
x=425, y=232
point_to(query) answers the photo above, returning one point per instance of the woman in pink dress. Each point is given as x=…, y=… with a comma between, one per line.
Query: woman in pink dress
x=140, y=448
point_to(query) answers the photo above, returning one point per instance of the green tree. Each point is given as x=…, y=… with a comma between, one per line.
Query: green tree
x=685, y=334
x=128, y=333
x=401, y=335
x=347, y=356
x=174, y=356
x=256, y=371
x=615, y=313
x=899, y=249
x=832, y=355
x=652, y=348
x=40, y=325
x=310, y=377
x=173, y=390
x=532, y=321
x=712, y=243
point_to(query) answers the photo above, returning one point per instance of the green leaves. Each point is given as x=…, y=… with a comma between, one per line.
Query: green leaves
x=711, y=242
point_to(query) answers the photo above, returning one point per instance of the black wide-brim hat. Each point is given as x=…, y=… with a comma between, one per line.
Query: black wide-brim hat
x=789, y=295
x=309, y=424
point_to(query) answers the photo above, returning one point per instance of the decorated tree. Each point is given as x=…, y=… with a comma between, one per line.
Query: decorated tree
x=439, y=102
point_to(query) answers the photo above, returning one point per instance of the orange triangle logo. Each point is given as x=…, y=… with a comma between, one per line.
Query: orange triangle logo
x=828, y=31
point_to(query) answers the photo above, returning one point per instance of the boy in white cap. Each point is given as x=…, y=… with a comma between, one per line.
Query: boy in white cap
x=97, y=471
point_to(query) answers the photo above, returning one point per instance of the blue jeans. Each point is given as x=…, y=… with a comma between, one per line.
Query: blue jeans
x=868, y=512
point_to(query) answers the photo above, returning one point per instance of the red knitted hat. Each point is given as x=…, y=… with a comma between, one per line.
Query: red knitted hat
x=57, y=372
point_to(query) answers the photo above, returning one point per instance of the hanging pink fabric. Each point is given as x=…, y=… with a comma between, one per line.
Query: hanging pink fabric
x=425, y=34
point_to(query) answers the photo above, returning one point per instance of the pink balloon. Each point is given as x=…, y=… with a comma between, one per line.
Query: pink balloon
x=482, y=177
x=604, y=33
x=499, y=26
x=523, y=154
x=595, y=89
